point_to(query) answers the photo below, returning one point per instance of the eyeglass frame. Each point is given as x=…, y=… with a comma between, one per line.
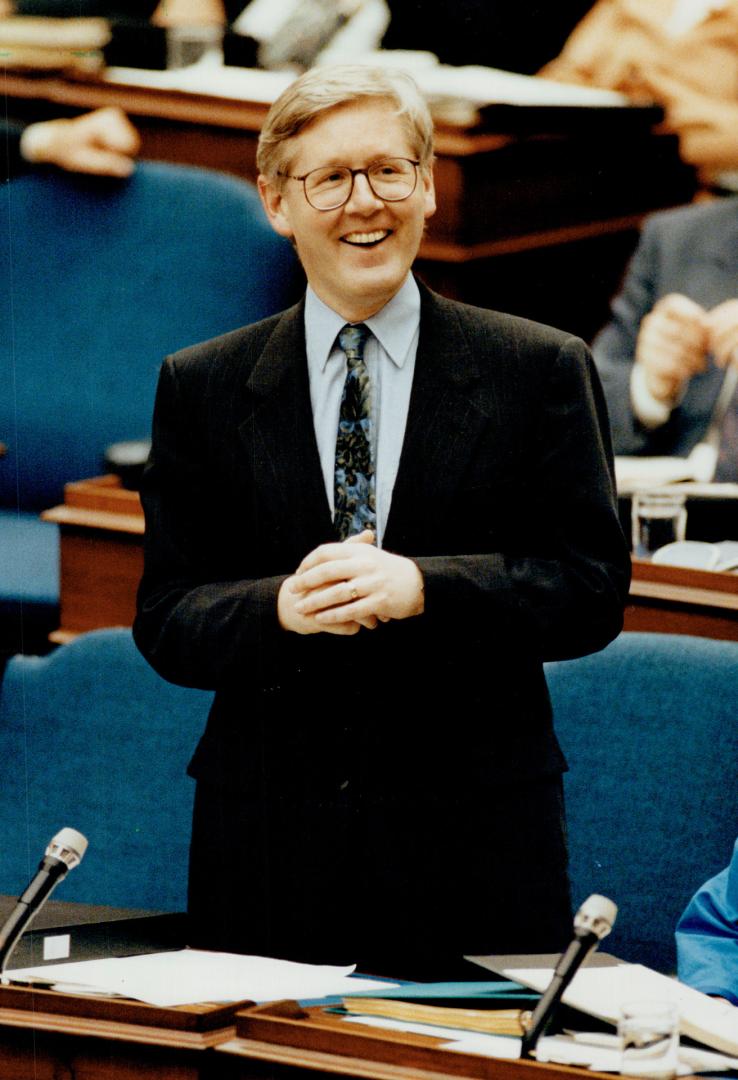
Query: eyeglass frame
x=354, y=173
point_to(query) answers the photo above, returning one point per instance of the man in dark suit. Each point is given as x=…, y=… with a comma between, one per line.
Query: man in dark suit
x=673, y=331
x=368, y=556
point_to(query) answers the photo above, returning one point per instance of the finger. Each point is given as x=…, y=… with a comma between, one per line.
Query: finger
x=365, y=537
x=325, y=553
x=342, y=629
x=369, y=623
x=338, y=571
x=90, y=159
x=112, y=129
x=339, y=594
x=679, y=306
x=359, y=612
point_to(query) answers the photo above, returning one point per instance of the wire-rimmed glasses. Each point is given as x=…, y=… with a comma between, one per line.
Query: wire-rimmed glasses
x=330, y=186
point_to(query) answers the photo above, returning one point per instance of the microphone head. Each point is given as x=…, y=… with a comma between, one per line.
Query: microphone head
x=596, y=916
x=68, y=846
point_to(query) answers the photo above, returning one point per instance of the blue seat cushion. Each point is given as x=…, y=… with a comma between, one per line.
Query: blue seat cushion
x=29, y=568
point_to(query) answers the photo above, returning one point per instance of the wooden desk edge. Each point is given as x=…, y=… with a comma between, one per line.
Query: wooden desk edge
x=95, y=519
x=504, y=1068
x=684, y=594
x=107, y=1029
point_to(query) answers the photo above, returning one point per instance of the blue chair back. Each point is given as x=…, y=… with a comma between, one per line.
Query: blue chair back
x=649, y=729
x=99, y=280
x=92, y=737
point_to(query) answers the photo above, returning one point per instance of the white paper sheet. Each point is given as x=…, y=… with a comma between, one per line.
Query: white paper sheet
x=190, y=975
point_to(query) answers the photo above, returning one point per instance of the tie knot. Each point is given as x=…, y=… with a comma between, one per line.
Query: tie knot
x=352, y=340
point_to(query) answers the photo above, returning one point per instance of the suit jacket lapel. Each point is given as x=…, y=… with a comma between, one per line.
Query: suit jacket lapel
x=442, y=424
x=279, y=436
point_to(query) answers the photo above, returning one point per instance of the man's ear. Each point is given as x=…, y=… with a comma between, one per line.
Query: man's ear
x=272, y=199
x=429, y=192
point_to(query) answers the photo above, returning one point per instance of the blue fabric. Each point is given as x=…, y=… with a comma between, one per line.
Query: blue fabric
x=99, y=279
x=29, y=568
x=91, y=737
x=707, y=935
x=648, y=726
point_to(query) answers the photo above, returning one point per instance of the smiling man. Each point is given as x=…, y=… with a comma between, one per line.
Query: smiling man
x=370, y=519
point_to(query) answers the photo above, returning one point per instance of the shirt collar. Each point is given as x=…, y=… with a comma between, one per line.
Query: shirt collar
x=394, y=325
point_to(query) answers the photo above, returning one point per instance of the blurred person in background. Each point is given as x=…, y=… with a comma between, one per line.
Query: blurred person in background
x=707, y=936
x=681, y=54
x=103, y=142
x=673, y=334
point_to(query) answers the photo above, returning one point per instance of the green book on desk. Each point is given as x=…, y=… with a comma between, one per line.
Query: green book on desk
x=491, y=1007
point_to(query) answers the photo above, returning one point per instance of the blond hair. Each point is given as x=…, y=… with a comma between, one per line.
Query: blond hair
x=322, y=89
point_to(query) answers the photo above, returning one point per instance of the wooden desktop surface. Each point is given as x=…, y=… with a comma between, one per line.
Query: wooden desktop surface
x=49, y=1036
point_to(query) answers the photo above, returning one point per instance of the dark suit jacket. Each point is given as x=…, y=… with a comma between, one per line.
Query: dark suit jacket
x=11, y=162
x=691, y=250
x=503, y=496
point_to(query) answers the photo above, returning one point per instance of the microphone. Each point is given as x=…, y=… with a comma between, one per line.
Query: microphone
x=65, y=851
x=592, y=923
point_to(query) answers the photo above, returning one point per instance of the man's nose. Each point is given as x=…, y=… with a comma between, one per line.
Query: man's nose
x=363, y=200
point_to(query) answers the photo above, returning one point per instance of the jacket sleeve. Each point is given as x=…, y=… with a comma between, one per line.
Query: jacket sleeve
x=196, y=624
x=707, y=936
x=615, y=345
x=559, y=590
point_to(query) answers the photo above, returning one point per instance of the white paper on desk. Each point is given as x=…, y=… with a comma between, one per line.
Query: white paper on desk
x=238, y=84
x=494, y=1046
x=486, y=86
x=602, y=990
x=191, y=975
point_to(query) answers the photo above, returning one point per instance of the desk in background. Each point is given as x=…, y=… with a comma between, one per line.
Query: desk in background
x=537, y=218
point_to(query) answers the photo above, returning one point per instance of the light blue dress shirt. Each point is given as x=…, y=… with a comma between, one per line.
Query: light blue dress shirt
x=390, y=358
x=707, y=936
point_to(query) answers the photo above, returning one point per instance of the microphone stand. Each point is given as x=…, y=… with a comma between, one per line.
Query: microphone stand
x=593, y=921
x=64, y=852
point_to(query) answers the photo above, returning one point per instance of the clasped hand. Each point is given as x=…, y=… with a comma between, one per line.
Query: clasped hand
x=676, y=337
x=338, y=588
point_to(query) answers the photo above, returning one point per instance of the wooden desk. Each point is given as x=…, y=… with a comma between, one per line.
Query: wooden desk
x=39, y=1045
x=677, y=600
x=48, y=1036
x=538, y=223
x=101, y=526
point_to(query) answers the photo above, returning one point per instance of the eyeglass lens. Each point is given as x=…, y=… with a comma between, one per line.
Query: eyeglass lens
x=329, y=188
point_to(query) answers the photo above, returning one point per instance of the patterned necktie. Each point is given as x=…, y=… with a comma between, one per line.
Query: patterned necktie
x=726, y=470
x=354, y=474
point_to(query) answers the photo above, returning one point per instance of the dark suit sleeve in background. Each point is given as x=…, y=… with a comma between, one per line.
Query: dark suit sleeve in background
x=11, y=162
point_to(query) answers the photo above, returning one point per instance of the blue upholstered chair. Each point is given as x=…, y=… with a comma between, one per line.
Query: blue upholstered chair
x=91, y=737
x=99, y=280
x=649, y=727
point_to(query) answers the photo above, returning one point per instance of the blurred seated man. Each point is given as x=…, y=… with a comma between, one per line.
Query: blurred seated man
x=673, y=333
x=682, y=54
x=707, y=936
x=103, y=142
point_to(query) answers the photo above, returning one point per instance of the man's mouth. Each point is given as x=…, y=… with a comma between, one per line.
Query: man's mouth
x=366, y=239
